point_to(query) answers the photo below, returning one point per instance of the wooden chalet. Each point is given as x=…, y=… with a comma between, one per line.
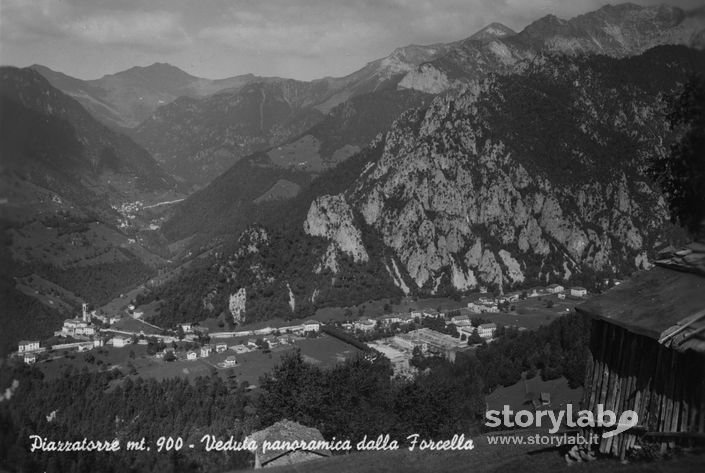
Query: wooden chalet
x=647, y=353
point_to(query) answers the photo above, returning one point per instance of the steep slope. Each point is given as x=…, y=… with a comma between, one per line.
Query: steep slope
x=64, y=179
x=196, y=140
x=71, y=142
x=530, y=178
x=621, y=30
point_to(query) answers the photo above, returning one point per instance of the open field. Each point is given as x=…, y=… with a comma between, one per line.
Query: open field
x=326, y=351
x=302, y=153
x=128, y=324
x=104, y=358
x=370, y=309
x=282, y=189
x=119, y=304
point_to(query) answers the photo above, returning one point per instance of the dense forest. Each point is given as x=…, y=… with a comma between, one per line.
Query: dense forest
x=282, y=262
x=356, y=398
x=554, y=350
x=103, y=407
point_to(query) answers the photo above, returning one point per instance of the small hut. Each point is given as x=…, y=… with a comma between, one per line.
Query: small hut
x=287, y=431
x=647, y=352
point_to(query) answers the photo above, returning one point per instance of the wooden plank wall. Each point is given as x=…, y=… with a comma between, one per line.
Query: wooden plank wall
x=628, y=371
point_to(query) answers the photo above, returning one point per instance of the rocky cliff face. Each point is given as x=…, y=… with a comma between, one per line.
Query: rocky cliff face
x=330, y=217
x=527, y=178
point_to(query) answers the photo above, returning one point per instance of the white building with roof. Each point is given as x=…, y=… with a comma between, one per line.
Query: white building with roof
x=487, y=331
x=28, y=346
x=398, y=358
x=555, y=289
x=312, y=326
x=120, y=341
x=30, y=358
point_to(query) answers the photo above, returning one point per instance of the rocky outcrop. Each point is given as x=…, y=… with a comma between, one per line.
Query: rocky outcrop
x=331, y=217
x=237, y=305
x=426, y=78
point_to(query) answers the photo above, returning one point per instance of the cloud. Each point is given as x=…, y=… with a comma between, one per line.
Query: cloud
x=157, y=30
x=43, y=20
x=285, y=38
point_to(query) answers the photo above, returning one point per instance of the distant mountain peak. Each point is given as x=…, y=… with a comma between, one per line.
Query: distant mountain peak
x=493, y=31
x=156, y=70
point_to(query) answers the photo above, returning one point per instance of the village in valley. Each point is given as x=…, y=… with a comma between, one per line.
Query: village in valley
x=106, y=338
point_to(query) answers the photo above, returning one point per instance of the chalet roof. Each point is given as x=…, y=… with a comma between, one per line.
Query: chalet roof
x=666, y=303
x=689, y=259
x=285, y=431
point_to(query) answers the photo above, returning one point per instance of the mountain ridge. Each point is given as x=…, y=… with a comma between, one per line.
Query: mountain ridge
x=476, y=191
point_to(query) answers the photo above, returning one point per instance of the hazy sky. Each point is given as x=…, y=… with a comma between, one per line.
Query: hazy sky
x=302, y=39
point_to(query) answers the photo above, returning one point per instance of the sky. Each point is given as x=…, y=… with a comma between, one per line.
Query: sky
x=300, y=39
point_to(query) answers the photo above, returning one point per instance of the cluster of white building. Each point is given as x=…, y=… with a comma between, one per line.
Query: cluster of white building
x=301, y=329
x=491, y=305
x=28, y=350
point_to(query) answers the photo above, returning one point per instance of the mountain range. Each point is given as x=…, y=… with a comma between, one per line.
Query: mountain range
x=197, y=128
x=127, y=98
x=620, y=30
x=499, y=161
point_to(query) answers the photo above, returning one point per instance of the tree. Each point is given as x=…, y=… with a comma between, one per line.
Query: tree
x=681, y=174
x=475, y=338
